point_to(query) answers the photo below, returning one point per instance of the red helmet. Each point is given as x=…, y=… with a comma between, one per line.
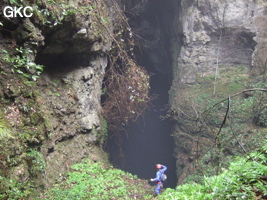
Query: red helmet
x=158, y=166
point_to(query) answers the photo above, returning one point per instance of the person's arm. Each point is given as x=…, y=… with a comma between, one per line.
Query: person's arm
x=157, y=177
x=164, y=168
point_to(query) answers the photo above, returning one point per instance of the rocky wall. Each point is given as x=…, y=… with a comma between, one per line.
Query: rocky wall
x=209, y=37
x=66, y=97
x=218, y=34
x=76, y=57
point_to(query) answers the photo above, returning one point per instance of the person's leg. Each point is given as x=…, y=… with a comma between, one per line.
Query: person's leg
x=158, y=188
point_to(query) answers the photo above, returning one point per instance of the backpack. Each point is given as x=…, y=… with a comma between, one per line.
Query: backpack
x=163, y=177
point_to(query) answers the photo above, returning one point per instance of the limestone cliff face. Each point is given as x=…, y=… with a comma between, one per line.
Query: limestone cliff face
x=67, y=94
x=211, y=37
x=223, y=33
x=77, y=59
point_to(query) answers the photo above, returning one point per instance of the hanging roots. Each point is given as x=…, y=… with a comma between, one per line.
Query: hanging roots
x=126, y=97
x=126, y=84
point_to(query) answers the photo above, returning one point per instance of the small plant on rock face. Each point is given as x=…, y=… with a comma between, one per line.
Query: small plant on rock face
x=13, y=189
x=35, y=161
x=23, y=66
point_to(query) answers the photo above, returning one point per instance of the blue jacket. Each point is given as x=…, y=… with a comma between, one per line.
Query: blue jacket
x=159, y=173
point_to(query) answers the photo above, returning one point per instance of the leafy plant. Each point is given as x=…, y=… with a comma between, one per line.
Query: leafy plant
x=23, y=66
x=35, y=161
x=13, y=189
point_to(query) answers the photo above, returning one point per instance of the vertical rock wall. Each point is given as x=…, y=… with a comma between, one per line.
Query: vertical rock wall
x=66, y=97
x=219, y=33
x=210, y=36
x=76, y=58
x=77, y=133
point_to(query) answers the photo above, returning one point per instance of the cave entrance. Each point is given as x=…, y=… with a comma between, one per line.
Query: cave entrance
x=148, y=141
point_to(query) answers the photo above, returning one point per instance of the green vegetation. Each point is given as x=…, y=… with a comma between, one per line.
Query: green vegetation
x=36, y=162
x=13, y=189
x=14, y=175
x=22, y=127
x=217, y=126
x=90, y=180
x=246, y=179
x=52, y=13
x=22, y=65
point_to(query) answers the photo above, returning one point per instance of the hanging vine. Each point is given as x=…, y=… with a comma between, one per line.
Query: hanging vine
x=126, y=84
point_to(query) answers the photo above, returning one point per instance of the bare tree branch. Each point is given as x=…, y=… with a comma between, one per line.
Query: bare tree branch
x=234, y=95
x=217, y=143
x=231, y=127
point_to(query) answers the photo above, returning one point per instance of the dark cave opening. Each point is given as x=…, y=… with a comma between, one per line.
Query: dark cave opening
x=148, y=141
x=61, y=64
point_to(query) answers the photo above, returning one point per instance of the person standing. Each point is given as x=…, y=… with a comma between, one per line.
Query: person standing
x=160, y=170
